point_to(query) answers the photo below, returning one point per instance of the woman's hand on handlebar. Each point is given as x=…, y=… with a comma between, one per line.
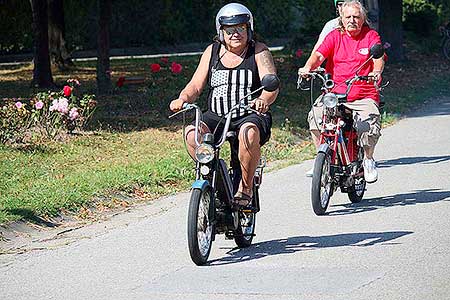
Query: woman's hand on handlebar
x=177, y=104
x=260, y=105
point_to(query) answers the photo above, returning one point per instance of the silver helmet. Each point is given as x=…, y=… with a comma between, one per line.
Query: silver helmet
x=234, y=14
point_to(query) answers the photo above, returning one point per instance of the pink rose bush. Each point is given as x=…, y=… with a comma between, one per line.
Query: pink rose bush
x=45, y=115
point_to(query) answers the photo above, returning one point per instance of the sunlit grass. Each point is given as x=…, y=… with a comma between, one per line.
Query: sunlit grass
x=134, y=149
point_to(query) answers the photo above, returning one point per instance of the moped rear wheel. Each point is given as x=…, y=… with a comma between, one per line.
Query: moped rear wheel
x=321, y=188
x=243, y=235
x=200, y=228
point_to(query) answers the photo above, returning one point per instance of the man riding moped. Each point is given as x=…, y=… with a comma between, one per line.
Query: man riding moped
x=346, y=50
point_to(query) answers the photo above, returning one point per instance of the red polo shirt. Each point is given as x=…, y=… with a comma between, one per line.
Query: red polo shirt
x=345, y=54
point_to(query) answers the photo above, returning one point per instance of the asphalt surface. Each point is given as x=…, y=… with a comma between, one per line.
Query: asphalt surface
x=393, y=245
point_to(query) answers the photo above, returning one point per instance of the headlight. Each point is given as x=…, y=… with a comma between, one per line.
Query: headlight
x=329, y=100
x=204, y=153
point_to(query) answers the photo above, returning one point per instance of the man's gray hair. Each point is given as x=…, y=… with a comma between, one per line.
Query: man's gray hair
x=357, y=4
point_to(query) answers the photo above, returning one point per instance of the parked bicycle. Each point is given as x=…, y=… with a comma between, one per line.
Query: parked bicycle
x=339, y=159
x=212, y=209
x=445, y=43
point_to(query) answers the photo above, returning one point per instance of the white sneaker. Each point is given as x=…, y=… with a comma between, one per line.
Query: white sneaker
x=370, y=170
x=310, y=172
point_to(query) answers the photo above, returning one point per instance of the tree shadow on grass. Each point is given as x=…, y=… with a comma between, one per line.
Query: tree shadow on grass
x=307, y=243
x=413, y=198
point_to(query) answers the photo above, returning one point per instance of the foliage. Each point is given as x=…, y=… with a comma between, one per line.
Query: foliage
x=140, y=23
x=152, y=161
x=420, y=17
x=15, y=24
x=46, y=115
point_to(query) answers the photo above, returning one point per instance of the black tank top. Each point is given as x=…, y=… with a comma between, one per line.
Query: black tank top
x=228, y=85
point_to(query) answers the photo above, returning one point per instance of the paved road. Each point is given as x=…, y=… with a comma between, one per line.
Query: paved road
x=394, y=245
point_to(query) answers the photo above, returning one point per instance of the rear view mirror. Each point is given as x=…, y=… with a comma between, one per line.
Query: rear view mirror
x=270, y=82
x=377, y=51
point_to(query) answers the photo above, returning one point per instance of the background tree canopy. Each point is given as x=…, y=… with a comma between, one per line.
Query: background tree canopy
x=155, y=24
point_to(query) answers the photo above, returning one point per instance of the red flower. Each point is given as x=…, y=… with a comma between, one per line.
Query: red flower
x=155, y=68
x=165, y=60
x=67, y=90
x=120, y=81
x=299, y=53
x=176, y=68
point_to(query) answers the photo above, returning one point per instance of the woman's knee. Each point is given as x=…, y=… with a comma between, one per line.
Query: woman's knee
x=249, y=134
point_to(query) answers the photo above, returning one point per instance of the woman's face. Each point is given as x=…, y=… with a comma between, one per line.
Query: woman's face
x=235, y=35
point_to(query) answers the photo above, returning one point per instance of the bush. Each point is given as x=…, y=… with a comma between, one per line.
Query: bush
x=46, y=116
x=420, y=17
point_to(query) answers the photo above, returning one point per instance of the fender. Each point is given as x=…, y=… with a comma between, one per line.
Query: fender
x=325, y=148
x=200, y=184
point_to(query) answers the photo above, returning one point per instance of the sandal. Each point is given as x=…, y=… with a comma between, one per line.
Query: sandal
x=242, y=199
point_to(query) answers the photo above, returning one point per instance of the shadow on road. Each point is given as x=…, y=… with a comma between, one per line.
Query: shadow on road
x=413, y=198
x=305, y=243
x=412, y=160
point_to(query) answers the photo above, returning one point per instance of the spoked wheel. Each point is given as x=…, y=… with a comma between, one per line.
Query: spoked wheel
x=321, y=188
x=200, y=229
x=359, y=186
x=243, y=236
x=446, y=48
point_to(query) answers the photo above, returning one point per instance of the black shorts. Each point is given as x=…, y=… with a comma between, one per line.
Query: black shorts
x=263, y=122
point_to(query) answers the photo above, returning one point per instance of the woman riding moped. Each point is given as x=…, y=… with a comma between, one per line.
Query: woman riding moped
x=232, y=67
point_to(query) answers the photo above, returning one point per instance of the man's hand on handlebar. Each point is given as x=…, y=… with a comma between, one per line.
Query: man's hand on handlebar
x=374, y=76
x=304, y=72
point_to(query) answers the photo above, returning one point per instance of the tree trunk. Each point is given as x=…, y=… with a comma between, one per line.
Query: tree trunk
x=391, y=29
x=42, y=73
x=103, y=69
x=56, y=35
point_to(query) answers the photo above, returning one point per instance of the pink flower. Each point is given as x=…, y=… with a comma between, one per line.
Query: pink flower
x=67, y=90
x=165, y=60
x=73, y=81
x=176, y=68
x=155, y=68
x=299, y=53
x=63, y=106
x=54, y=105
x=73, y=114
x=39, y=104
x=19, y=105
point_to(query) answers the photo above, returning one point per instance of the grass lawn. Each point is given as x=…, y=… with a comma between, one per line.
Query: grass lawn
x=133, y=149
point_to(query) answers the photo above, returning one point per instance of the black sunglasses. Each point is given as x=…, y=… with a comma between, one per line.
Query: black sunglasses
x=232, y=30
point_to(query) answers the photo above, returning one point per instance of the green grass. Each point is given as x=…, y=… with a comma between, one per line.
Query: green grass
x=135, y=150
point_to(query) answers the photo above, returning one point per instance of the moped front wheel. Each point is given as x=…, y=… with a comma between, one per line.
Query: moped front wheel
x=356, y=194
x=321, y=188
x=200, y=228
x=245, y=232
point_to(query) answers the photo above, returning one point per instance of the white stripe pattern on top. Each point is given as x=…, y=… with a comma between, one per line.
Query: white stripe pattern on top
x=228, y=86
